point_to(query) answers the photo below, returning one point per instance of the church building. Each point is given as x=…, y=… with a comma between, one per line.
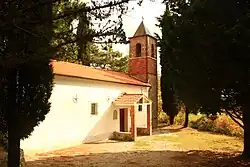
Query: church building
x=89, y=105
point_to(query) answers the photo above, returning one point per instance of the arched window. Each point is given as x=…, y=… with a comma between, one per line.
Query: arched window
x=138, y=50
x=152, y=50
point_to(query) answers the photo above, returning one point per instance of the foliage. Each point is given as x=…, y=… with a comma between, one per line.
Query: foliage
x=4, y=158
x=108, y=59
x=170, y=101
x=80, y=35
x=204, y=52
x=77, y=25
x=3, y=131
x=169, y=105
x=222, y=125
x=159, y=95
x=28, y=29
x=163, y=117
x=26, y=77
x=99, y=57
x=4, y=140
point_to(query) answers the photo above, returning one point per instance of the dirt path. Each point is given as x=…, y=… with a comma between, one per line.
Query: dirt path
x=168, y=147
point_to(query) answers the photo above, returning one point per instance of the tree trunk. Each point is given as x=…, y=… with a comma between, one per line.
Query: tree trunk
x=186, y=118
x=171, y=120
x=246, y=122
x=13, y=149
x=82, y=33
x=12, y=120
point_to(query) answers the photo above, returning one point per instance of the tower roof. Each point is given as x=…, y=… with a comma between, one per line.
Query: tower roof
x=142, y=30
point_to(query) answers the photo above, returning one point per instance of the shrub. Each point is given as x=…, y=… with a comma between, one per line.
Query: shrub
x=163, y=117
x=227, y=126
x=203, y=124
x=179, y=119
x=221, y=125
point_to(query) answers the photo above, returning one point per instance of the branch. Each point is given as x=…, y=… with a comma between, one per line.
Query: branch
x=27, y=31
x=44, y=2
x=90, y=9
x=64, y=43
x=77, y=39
x=234, y=119
x=238, y=115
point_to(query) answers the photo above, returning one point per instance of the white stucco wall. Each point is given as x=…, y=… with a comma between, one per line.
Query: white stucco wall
x=141, y=117
x=70, y=123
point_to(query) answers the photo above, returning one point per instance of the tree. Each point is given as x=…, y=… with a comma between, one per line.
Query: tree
x=208, y=45
x=26, y=77
x=108, y=59
x=97, y=22
x=169, y=103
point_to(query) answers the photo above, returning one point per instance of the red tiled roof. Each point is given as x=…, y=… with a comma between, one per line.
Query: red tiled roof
x=129, y=99
x=80, y=71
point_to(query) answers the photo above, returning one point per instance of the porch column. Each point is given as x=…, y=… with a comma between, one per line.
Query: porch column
x=149, y=120
x=133, y=125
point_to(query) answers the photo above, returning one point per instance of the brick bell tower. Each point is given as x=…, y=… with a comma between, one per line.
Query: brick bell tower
x=143, y=64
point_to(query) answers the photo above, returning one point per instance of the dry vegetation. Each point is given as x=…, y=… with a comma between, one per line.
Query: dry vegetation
x=222, y=125
x=168, y=147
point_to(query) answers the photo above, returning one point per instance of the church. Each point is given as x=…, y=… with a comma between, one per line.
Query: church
x=89, y=105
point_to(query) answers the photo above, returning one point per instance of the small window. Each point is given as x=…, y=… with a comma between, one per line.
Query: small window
x=94, y=109
x=140, y=108
x=152, y=50
x=138, y=50
x=115, y=114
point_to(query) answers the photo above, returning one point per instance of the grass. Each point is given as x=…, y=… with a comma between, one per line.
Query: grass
x=192, y=139
x=141, y=144
x=166, y=138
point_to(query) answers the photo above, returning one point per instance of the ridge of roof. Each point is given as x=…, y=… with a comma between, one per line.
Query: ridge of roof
x=86, y=72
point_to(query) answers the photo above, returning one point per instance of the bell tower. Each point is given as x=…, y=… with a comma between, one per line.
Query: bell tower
x=143, y=64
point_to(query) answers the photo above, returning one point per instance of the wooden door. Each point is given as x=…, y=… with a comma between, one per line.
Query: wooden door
x=122, y=122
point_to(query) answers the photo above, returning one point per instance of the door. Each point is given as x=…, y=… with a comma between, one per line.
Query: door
x=122, y=122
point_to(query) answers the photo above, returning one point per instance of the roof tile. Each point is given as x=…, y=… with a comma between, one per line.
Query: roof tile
x=80, y=71
x=127, y=99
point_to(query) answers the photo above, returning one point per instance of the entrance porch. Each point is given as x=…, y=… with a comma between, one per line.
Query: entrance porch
x=134, y=115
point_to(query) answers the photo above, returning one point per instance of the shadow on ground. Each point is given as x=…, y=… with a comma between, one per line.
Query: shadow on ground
x=167, y=129
x=193, y=158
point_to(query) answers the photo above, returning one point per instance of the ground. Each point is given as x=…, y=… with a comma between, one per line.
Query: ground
x=167, y=147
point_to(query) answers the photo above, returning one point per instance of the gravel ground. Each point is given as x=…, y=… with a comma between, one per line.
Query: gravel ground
x=167, y=147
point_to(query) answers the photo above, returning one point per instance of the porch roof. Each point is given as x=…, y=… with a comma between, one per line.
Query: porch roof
x=130, y=99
